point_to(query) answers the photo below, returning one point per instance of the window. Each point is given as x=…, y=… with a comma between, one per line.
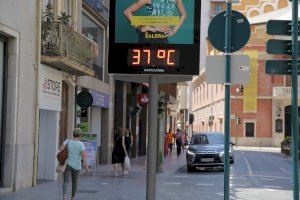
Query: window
x=250, y=129
x=95, y=33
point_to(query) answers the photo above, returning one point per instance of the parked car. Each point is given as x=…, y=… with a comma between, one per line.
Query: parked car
x=207, y=150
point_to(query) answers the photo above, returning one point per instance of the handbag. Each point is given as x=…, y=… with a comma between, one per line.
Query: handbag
x=63, y=155
x=126, y=162
x=61, y=168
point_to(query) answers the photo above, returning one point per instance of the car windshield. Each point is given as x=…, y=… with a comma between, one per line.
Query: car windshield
x=211, y=139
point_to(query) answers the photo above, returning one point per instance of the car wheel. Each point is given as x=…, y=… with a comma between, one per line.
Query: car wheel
x=232, y=161
x=190, y=169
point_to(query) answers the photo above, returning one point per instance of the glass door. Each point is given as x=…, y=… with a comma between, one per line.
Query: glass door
x=3, y=45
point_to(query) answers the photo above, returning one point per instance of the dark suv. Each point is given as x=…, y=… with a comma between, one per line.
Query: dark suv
x=207, y=150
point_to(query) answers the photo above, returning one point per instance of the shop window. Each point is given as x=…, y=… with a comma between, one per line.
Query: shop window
x=95, y=33
x=250, y=129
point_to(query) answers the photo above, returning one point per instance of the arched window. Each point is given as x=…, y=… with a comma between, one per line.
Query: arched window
x=268, y=8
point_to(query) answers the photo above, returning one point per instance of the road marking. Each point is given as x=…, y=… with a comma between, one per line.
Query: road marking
x=172, y=183
x=267, y=179
x=180, y=176
x=270, y=190
x=104, y=183
x=274, y=177
x=285, y=171
x=270, y=187
x=220, y=194
x=248, y=166
x=239, y=185
x=204, y=184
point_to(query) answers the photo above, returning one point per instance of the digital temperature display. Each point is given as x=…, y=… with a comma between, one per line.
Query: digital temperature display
x=153, y=57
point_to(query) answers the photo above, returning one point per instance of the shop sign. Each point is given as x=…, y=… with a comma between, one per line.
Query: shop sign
x=99, y=99
x=50, y=88
x=143, y=98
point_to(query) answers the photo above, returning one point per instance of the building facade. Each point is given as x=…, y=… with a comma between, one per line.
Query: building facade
x=18, y=69
x=49, y=52
x=257, y=113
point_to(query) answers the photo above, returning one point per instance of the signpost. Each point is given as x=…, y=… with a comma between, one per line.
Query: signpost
x=239, y=72
x=237, y=34
x=139, y=54
x=286, y=67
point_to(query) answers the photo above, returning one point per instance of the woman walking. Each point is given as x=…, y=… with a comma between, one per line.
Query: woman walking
x=118, y=154
x=76, y=153
x=127, y=141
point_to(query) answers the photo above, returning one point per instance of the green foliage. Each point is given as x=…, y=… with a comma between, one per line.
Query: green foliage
x=84, y=127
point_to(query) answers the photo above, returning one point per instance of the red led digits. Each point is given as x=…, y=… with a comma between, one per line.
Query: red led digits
x=148, y=52
x=136, y=57
x=161, y=54
x=169, y=62
x=153, y=57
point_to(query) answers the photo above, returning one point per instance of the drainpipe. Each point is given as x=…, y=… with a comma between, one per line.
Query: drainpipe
x=37, y=106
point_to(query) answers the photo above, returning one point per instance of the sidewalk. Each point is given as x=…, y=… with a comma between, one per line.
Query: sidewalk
x=103, y=186
x=262, y=149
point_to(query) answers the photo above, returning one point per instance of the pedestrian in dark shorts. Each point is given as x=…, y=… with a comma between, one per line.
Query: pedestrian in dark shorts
x=178, y=142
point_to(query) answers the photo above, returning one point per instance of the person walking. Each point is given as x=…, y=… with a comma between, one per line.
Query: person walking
x=178, y=142
x=118, y=154
x=127, y=141
x=184, y=140
x=170, y=139
x=76, y=153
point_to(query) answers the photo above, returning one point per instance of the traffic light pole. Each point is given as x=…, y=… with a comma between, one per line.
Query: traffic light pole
x=295, y=121
x=152, y=138
x=227, y=98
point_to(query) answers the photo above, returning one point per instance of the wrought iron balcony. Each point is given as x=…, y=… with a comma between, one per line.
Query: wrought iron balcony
x=67, y=50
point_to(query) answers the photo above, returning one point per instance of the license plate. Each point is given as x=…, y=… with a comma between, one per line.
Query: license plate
x=207, y=159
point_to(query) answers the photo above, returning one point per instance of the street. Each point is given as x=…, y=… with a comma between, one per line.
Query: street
x=255, y=175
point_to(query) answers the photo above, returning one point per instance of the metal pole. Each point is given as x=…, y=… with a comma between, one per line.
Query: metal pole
x=236, y=117
x=295, y=121
x=152, y=139
x=227, y=98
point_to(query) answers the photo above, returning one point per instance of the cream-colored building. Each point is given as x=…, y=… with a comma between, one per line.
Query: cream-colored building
x=49, y=52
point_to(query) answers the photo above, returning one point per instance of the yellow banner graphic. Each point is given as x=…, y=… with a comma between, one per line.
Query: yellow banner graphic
x=250, y=90
x=155, y=20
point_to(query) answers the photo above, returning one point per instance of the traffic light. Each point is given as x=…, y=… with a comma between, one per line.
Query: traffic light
x=239, y=121
x=279, y=47
x=242, y=89
x=191, y=118
x=134, y=110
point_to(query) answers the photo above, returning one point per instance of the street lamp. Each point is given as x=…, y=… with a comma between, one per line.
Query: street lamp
x=237, y=90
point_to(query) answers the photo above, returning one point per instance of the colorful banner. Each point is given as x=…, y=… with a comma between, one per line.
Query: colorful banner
x=250, y=90
x=161, y=21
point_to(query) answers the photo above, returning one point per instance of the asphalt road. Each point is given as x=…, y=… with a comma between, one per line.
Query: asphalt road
x=255, y=175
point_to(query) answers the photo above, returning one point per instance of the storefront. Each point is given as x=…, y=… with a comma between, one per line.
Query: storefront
x=93, y=120
x=3, y=58
x=50, y=107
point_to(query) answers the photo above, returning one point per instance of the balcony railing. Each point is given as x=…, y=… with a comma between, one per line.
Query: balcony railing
x=66, y=49
x=283, y=92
